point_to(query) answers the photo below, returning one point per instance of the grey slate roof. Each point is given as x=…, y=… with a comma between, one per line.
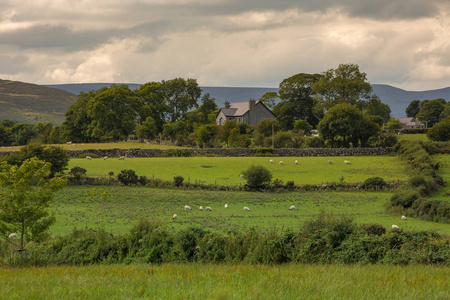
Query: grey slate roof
x=236, y=109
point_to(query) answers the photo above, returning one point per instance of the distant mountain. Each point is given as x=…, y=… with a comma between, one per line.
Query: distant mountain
x=32, y=103
x=396, y=98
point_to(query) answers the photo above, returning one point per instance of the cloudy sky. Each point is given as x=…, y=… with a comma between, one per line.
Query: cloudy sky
x=257, y=43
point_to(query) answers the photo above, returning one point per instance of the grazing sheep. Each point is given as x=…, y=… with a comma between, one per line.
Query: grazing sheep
x=174, y=217
x=88, y=157
x=208, y=208
x=186, y=207
x=346, y=162
x=330, y=162
x=122, y=158
x=296, y=162
x=201, y=208
x=281, y=162
x=246, y=208
x=105, y=157
x=395, y=227
x=403, y=218
x=68, y=143
x=292, y=207
x=13, y=235
x=226, y=205
x=242, y=176
x=271, y=161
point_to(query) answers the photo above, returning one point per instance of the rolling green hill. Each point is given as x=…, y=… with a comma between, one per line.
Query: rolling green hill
x=32, y=103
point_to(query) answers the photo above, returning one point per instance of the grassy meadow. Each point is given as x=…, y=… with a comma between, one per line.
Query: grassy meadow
x=203, y=281
x=75, y=206
x=227, y=170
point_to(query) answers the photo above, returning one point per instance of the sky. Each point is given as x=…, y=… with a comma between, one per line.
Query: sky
x=235, y=43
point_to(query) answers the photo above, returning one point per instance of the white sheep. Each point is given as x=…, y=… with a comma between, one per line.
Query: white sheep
x=105, y=157
x=186, y=207
x=292, y=207
x=403, y=218
x=346, y=162
x=122, y=158
x=246, y=208
x=271, y=161
x=281, y=162
x=330, y=162
x=201, y=208
x=208, y=208
x=68, y=143
x=296, y=162
x=174, y=217
x=395, y=227
x=88, y=157
x=242, y=176
x=226, y=205
x=13, y=235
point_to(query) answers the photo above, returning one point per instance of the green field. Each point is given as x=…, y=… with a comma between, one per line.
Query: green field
x=227, y=170
x=200, y=281
x=124, y=206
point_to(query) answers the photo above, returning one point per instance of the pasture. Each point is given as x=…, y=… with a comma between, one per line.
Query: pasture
x=81, y=206
x=227, y=170
x=203, y=281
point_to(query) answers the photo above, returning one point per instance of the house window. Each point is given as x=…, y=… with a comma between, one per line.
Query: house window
x=221, y=121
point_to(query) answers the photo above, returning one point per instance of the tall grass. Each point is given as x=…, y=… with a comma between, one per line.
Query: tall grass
x=204, y=281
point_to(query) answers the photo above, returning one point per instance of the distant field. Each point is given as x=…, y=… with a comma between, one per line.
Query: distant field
x=200, y=281
x=226, y=170
x=118, y=145
x=413, y=137
x=124, y=206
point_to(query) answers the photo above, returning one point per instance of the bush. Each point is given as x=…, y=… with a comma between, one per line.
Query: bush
x=314, y=142
x=376, y=229
x=405, y=200
x=373, y=183
x=178, y=180
x=127, y=177
x=143, y=180
x=257, y=176
x=383, y=140
x=77, y=172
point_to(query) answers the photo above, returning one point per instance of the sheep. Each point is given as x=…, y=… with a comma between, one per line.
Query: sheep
x=88, y=157
x=346, y=162
x=174, y=217
x=330, y=162
x=68, y=143
x=395, y=227
x=226, y=205
x=242, y=176
x=105, y=157
x=13, y=235
x=208, y=208
x=122, y=158
x=201, y=208
x=271, y=161
x=246, y=208
x=403, y=218
x=296, y=162
x=292, y=207
x=186, y=207
x=281, y=162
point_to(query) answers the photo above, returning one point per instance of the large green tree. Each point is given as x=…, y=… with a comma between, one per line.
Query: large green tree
x=153, y=104
x=430, y=112
x=413, y=109
x=344, y=125
x=440, y=131
x=374, y=107
x=24, y=199
x=114, y=113
x=345, y=84
x=296, y=100
x=180, y=96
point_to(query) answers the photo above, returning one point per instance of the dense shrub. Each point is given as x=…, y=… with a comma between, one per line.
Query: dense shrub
x=373, y=183
x=440, y=131
x=404, y=200
x=376, y=229
x=314, y=142
x=383, y=140
x=77, y=172
x=127, y=177
x=178, y=180
x=257, y=176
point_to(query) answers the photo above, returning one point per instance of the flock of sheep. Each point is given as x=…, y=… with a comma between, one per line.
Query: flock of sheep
x=296, y=162
x=105, y=157
x=208, y=208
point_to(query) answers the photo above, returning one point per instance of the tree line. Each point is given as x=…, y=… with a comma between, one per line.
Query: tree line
x=339, y=103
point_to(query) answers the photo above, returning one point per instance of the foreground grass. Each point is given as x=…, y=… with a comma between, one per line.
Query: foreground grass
x=226, y=170
x=199, y=281
x=124, y=206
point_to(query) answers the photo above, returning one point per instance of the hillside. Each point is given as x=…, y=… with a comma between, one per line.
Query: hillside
x=32, y=103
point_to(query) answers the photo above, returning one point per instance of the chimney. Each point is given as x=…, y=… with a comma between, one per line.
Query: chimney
x=226, y=104
x=251, y=108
